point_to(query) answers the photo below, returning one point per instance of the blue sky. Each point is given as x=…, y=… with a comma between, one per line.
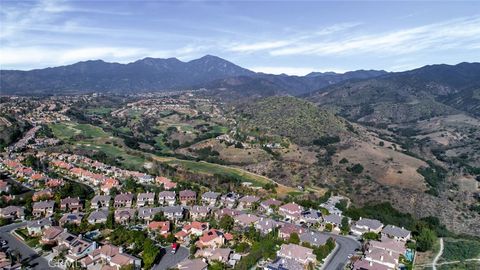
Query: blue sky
x=292, y=37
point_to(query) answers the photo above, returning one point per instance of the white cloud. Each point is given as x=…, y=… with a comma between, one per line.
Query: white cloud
x=300, y=71
x=446, y=35
x=274, y=44
x=259, y=46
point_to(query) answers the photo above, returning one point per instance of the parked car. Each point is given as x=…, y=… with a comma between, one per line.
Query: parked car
x=174, y=247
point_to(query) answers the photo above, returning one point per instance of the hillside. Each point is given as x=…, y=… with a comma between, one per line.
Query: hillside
x=406, y=96
x=299, y=120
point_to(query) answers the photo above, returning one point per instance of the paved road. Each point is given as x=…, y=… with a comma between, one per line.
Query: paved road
x=346, y=246
x=435, y=260
x=170, y=260
x=27, y=254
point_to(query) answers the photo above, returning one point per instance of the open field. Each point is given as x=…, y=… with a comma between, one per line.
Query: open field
x=386, y=165
x=68, y=130
x=460, y=249
x=211, y=168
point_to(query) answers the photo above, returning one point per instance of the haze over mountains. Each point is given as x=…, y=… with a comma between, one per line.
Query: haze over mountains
x=154, y=74
x=362, y=95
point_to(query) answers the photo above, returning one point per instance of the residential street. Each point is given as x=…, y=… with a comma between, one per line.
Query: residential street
x=346, y=247
x=27, y=254
x=169, y=260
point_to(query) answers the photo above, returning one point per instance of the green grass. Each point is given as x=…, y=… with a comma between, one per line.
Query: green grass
x=68, y=130
x=219, y=129
x=30, y=241
x=100, y=110
x=128, y=160
x=460, y=266
x=460, y=249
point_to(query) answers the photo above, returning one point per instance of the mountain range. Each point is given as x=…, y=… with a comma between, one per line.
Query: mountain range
x=154, y=74
x=413, y=95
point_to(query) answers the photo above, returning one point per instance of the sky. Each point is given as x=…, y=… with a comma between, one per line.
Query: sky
x=292, y=37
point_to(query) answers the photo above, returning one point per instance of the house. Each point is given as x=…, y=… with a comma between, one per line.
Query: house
x=105, y=254
x=108, y=184
x=71, y=218
x=100, y=201
x=4, y=186
x=124, y=215
x=270, y=205
x=13, y=212
x=43, y=208
x=246, y=220
x=50, y=234
x=284, y=264
x=79, y=248
x=331, y=203
x=229, y=200
x=148, y=213
x=123, y=200
x=167, y=183
x=198, y=212
x=335, y=220
x=72, y=204
x=286, y=229
x=195, y=264
x=211, y=239
x=214, y=254
x=53, y=183
x=145, y=199
x=167, y=198
x=396, y=233
x=174, y=212
x=162, y=227
x=187, y=196
x=7, y=264
x=35, y=228
x=314, y=238
x=98, y=216
x=42, y=195
x=195, y=228
x=122, y=260
x=369, y=265
x=297, y=253
x=290, y=211
x=210, y=198
x=227, y=212
x=381, y=256
x=389, y=245
x=365, y=225
x=247, y=202
x=311, y=217
x=266, y=225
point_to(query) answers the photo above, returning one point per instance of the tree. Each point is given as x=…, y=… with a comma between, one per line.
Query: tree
x=356, y=169
x=342, y=205
x=226, y=223
x=426, y=239
x=110, y=224
x=370, y=236
x=294, y=238
x=328, y=227
x=159, y=217
x=150, y=253
x=345, y=227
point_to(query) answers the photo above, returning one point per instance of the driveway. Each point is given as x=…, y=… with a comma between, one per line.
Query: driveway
x=170, y=260
x=345, y=246
x=27, y=254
